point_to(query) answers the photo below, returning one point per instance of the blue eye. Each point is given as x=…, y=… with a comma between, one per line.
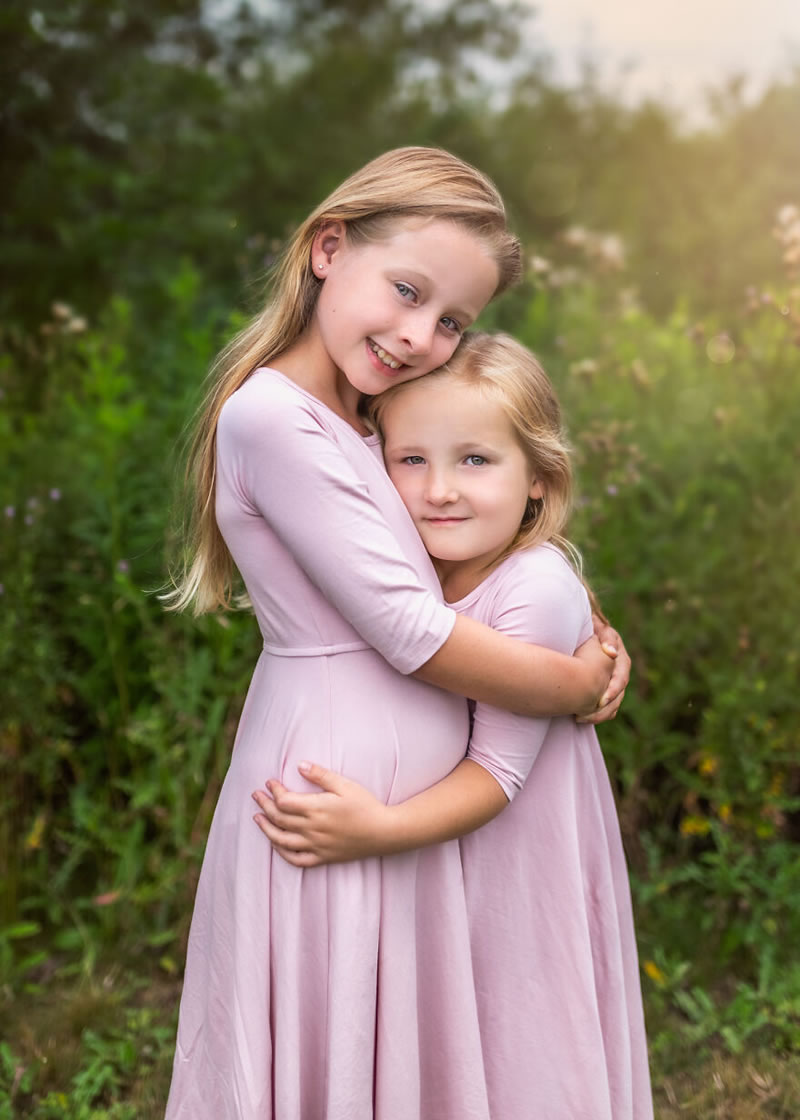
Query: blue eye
x=405, y=290
x=476, y=460
x=450, y=324
x=413, y=460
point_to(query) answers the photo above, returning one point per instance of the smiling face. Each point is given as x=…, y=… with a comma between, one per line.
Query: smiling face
x=394, y=309
x=452, y=454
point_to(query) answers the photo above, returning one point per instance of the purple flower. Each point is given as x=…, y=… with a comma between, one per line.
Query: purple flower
x=612, y=490
x=10, y=511
x=123, y=566
x=32, y=503
x=55, y=494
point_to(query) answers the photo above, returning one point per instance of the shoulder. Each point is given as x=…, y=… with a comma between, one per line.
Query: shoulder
x=536, y=595
x=540, y=571
x=267, y=404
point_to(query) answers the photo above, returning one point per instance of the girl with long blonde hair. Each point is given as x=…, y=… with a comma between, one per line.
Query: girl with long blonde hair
x=478, y=455
x=346, y=991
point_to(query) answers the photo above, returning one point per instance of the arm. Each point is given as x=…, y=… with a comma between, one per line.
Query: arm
x=294, y=474
x=345, y=822
x=539, y=598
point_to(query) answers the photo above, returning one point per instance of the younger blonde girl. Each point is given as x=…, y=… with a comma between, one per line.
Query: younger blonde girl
x=477, y=453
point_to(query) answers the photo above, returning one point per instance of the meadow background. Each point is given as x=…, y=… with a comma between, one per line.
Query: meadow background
x=156, y=158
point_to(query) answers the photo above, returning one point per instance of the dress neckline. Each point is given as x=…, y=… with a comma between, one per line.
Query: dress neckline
x=371, y=438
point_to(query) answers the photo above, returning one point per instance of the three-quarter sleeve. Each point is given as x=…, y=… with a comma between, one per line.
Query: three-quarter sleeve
x=289, y=468
x=539, y=600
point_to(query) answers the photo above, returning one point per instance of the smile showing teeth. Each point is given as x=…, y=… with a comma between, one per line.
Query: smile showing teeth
x=385, y=357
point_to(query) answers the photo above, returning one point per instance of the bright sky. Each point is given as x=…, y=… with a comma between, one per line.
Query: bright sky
x=675, y=47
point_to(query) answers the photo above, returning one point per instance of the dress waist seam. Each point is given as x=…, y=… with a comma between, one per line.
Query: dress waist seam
x=316, y=651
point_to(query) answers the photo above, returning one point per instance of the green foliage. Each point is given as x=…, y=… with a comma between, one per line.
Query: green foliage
x=685, y=435
x=156, y=160
x=108, y=1063
x=115, y=726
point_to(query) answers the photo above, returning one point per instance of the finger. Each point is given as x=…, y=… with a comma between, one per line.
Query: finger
x=290, y=822
x=300, y=859
x=605, y=712
x=283, y=841
x=609, y=649
x=289, y=801
x=328, y=780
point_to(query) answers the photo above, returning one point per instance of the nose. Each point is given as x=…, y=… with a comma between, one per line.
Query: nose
x=440, y=490
x=417, y=333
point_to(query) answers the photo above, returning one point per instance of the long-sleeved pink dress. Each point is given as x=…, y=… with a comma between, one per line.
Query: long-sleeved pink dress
x=553, y=947
x=341, y=992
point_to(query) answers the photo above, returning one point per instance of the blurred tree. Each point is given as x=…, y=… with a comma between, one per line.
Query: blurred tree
x=135, y=132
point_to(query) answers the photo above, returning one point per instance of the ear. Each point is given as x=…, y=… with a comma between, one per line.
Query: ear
x=536, y=491
x=328, y=240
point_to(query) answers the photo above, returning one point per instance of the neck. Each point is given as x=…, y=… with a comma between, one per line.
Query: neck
x=460, y=577
x=307, y=363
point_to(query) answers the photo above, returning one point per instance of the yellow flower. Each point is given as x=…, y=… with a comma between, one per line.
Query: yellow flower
x=655, y=973
x=708, y=765
x=694, y=826
x=724, y=813
x=33, y=841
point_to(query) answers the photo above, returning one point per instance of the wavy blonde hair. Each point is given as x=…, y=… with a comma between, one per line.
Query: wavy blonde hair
x=402, y=184
x=506, y=372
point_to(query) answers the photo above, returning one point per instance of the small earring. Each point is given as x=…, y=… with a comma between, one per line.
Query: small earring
x=320, y=267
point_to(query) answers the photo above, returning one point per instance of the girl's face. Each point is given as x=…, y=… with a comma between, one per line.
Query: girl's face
x=392, y=310
x=453, y=456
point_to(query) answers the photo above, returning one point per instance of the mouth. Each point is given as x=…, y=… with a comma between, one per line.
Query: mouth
x=443, y=521
x=384, y=357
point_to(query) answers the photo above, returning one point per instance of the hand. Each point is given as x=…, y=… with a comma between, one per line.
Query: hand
x=599, y=660
x=344, y=822
x=612, y=699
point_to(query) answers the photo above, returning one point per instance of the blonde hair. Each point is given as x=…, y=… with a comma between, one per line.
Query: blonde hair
x=402, y=184
x=507, y=373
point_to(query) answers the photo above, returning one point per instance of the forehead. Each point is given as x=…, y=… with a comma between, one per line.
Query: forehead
x=444, y=408
x=445, y=258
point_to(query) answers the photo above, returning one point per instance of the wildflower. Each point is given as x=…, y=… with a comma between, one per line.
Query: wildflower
x=29, y=519
x=694, y=826
x=721, y=349
x=9, y=511
x=724, y=813
x=76, y=325
x=609, y=250
x=655, y=973
x=123, y=566
x=61, y=310
x=32, y=503
x=708, y=766
x=33, y=841
x=539, y=265
x=575, y=236
x=586, y=367
x=612, y=490
x=639, y=372
x=106, y=899
x=55, y=494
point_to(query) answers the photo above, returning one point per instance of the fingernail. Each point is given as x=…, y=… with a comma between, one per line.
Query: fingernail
x=304, y=767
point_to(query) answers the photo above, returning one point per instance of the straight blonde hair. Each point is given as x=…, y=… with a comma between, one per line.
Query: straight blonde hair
x=402, y=184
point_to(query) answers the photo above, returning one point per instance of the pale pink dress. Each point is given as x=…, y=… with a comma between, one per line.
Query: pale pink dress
x=553, y=947
x=342, y=992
